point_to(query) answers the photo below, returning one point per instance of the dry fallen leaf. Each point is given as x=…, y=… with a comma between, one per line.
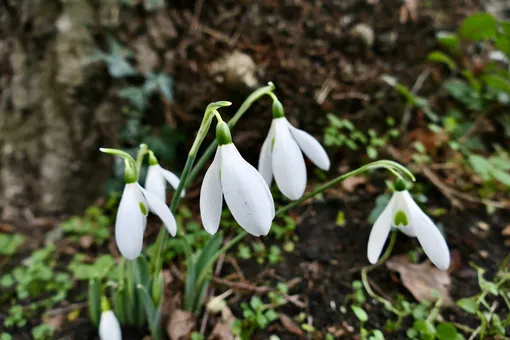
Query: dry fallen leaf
x=352, y=182
x=223, y=329
x=290, y=325
x=506, y=231
x=181, y=324
x=421, y=279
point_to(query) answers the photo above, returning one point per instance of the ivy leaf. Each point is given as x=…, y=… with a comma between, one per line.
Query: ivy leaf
x=479, y=26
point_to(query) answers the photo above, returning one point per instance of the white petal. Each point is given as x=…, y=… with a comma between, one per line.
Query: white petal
x=211, y=197
x=172, y=179
x=109, y=327
x=265, y=159
x=246, y=193
x=311, y=148
x=289, y=167
x=159, y=208
x=430, y=238
x=401, y=203
x=155, y=182
x=130, y=223
x=379, y=233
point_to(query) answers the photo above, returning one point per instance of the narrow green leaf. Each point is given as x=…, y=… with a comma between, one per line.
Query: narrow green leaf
x=360, y=313
x=94, y=301
x=440, y=57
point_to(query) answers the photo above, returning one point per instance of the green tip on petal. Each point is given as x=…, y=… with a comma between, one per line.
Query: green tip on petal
x=143, y=208
x=223, y=135
x=400, y=219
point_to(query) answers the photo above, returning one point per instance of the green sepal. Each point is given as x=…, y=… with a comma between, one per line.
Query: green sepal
x=278, y=111
x=223, y=135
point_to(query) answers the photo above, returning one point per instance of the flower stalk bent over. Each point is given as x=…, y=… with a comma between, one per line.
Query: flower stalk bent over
x=404, y=214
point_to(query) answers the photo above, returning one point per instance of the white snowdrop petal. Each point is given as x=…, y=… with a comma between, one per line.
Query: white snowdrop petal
x=289, y=167
x=379, y=233
x=130, y=223
x=159, y=208
x=211, y=197
x=172, y=179
x=265, y=159
x=401, y=204
x=311, y=148
x=430, y=238
x=109, y=327
x=246, y=192
x=155, y=183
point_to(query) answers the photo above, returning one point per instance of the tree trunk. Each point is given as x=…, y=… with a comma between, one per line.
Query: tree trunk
x=55, y=111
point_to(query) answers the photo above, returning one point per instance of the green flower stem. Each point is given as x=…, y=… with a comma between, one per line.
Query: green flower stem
x=364, y=277
x=252, y=98
x=188, y=176
x=389, y=165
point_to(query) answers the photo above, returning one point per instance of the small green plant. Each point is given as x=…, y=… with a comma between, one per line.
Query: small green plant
x=256, y=315
x=9, y=244
x=260, y=252
x=43, y=332
x=341, y=132
x=94, y=223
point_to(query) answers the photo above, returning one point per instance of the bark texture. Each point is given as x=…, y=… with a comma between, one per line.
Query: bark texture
x=55, y=110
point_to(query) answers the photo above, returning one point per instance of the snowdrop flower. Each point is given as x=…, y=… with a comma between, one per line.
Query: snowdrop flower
x=245, y=191
x=133, y=210
x=109, y=327
x=157, y=178
x=281, y=155
x=403, y=213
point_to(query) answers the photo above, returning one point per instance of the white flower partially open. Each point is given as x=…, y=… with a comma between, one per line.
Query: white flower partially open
x=247, y=195
x=281, y=155
x=109, y=327
x=403, y=213
x=156, y=181
x=132, y=218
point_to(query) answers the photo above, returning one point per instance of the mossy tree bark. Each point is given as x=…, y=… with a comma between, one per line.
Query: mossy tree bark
x=55, y=109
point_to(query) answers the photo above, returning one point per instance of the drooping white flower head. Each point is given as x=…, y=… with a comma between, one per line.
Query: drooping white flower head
x=245, y=191
x=157, y=179
x=281, y=155
x=132, y=218
x=109, y=327
x=403, y=213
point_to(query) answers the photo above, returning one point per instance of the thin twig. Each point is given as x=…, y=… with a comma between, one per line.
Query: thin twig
x=406, y=117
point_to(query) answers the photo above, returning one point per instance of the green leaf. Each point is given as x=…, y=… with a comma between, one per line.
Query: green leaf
x=440, y=57
x=449, y=41
x=135, y=96
x=10, y=243
x=94, y=301
x=153, y=313
x=496, y=81
x=468, y=304
x=502, y=43
x=360, y=313
x=446, y=331
x=479, y=26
